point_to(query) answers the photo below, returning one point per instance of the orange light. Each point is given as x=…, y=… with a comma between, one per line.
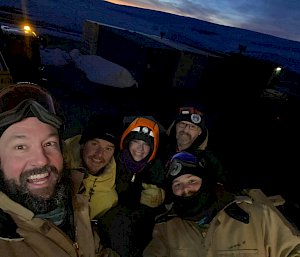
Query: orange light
x=27, y=28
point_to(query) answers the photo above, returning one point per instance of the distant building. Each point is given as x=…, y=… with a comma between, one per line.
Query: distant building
x=154, y=61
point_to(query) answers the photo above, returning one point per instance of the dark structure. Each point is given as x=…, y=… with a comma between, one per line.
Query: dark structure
x=155, y=62
x=21, y=50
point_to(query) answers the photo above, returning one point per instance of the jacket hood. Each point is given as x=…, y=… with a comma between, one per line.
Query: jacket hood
x=143, y=129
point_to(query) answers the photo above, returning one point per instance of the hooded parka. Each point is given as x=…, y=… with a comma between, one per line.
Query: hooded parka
x=28, y=236
x=266, y=235
x=128, y=226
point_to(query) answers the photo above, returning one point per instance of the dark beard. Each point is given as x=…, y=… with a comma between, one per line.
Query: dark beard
x=37, y=204
x=196, y=206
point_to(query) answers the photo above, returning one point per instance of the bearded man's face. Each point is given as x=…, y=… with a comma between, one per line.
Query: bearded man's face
x=43, y=200
x=31, y=164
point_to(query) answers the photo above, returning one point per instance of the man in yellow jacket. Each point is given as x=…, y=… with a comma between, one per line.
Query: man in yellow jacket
x=90, y=156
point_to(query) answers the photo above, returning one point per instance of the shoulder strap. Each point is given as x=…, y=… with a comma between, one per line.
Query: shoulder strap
x=237, y=213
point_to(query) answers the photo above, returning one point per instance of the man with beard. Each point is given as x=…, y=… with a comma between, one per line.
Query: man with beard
x=39, y=214
x=188, y=132
x=201, y=224
x=90, y=156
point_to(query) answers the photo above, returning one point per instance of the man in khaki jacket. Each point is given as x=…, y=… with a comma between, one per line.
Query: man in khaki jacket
x=200, y=224
x=39, y=214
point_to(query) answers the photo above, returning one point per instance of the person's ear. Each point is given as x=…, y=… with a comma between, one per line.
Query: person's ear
x=200, y=132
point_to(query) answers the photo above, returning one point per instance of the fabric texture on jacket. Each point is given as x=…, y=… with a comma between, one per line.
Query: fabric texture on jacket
x=100, y=190
x=127, y=228
x=41, y=238
x=266, y=235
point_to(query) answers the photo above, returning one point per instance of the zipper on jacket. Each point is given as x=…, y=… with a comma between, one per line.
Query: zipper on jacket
x=76, y=245
x=133, y=178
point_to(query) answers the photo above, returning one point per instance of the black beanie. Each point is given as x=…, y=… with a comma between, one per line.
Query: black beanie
x=140, y=136
x=102, y=127
x=192, y=115
x=184, y=163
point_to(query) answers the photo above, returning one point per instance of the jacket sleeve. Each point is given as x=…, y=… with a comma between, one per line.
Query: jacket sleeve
x=71, y=153
x=280, y=237
x=158, y=245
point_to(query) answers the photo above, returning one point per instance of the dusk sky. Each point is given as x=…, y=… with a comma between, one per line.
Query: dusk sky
x=279, y=18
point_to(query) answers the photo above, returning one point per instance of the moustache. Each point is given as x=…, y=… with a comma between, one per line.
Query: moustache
x=183, y=133
x=40, y=170
x=101, y=159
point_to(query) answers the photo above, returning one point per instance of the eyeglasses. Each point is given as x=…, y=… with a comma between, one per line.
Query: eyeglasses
x=183, y=125
x=17, y=100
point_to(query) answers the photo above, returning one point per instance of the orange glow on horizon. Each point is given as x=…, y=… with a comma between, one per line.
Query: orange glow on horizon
x=125, y=3
x=145, y=6
x=209, y=17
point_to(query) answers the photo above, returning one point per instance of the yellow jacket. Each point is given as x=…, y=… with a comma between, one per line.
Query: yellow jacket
x=100, y=190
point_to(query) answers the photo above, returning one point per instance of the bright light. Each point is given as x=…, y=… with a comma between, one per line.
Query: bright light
x=27, y=28
x=277, y=70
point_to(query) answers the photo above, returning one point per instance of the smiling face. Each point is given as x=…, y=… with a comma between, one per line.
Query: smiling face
x=96, y=154
x=186, y=185
x=186, y=134
x=31, y=159
x=139, y=149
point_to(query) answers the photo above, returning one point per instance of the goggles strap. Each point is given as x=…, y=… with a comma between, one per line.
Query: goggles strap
x=24, y=109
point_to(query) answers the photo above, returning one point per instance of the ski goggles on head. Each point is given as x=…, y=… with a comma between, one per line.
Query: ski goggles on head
x=26, y=100
x=181, y=160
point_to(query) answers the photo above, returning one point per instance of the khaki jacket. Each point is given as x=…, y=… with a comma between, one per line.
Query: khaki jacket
x=41, y=238
x=266, y=235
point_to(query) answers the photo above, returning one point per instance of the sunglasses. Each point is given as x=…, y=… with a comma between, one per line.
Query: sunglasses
x=16, y=101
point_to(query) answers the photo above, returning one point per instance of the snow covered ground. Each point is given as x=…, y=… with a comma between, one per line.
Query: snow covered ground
x=96, y=68
x=65, y=18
